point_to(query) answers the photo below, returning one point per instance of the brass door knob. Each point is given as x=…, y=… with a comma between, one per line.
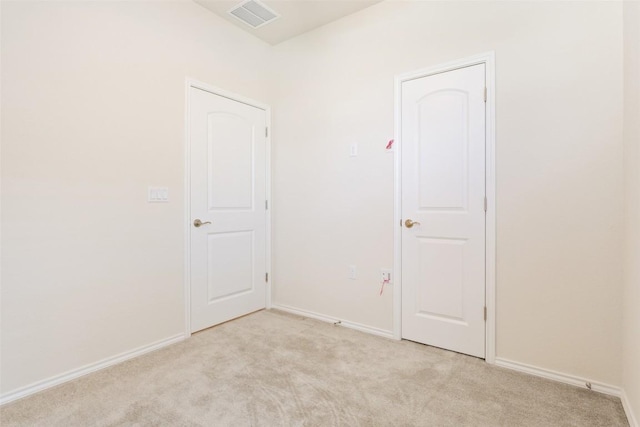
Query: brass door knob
x=197, y=223
x=410, y=223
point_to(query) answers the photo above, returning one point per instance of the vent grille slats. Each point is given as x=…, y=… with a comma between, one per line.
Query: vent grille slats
x=253, y=13
x=247, y=17
x=259, y=11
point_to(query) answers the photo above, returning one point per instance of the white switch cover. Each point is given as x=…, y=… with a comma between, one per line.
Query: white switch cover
x=353, y=149
x=352, y=272
x=158, y=194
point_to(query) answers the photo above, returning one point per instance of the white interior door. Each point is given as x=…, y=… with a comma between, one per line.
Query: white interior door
x=443, y=195
x=228, y=194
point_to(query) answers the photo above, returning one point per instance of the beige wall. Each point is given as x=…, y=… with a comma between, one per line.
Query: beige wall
x=631, y=325
x=559, y=175
x=92, y=114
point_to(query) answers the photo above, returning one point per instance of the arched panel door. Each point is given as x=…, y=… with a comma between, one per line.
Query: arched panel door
x=228, y=193
x=443, y=193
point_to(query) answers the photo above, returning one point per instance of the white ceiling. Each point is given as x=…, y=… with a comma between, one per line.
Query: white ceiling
x=296, y=16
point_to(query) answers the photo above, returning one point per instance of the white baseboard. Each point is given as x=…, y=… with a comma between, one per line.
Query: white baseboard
x=87, y=369
x=559, y=376
x=324, y=318
x=631, y=417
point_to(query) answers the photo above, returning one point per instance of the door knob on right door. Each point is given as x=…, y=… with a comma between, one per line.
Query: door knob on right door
x=410, y=223
x=197, y=223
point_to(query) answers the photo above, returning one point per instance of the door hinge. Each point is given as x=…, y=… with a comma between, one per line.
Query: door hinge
x=266, y=130
x=485, y=94
x=266, y=204
x=266, y=277
x=485, y=314
x=485, y=203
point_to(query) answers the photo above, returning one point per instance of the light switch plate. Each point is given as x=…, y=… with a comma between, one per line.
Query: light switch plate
x=353, y=272
x=158, y=194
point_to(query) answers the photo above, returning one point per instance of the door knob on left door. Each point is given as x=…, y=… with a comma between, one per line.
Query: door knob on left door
x=197, y=223
x=410, y=223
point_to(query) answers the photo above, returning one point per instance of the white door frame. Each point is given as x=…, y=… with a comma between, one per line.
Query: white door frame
x=192, y=83
x=490, y=231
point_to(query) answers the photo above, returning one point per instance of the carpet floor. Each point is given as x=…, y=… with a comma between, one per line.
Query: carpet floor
x=275, y=369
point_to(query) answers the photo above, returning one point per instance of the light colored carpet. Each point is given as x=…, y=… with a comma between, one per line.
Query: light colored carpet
x=275, y=369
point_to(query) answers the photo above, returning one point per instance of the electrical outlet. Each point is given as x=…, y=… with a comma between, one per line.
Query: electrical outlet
x=352, y=272
x=385, y=274
x=353, y=149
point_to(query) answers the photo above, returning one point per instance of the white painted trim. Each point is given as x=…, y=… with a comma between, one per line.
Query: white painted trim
x=490, y=218
x=227, y=94
x=351, y=325
x=269, y=266
x=87, y=369
x=189, y=83
x=187, y=210
x=628, y=410
x=397, y=214
x=558, y=376
x=490, y=242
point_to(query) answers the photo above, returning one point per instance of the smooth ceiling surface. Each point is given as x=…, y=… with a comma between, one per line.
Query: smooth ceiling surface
x=296, y=16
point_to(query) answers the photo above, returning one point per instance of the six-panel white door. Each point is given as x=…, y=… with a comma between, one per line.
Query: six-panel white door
x=443, y=191
x=228, y=193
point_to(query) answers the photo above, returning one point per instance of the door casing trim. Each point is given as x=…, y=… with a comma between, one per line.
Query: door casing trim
x=488, y=59
x=193, y=83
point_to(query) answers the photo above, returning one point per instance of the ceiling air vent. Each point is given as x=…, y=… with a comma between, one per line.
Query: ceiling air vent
x=253, y=13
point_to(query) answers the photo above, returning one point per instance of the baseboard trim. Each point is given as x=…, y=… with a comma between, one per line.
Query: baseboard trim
x=631, y=417
x=559, y=376
x=86, y=369
x=351, y=325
